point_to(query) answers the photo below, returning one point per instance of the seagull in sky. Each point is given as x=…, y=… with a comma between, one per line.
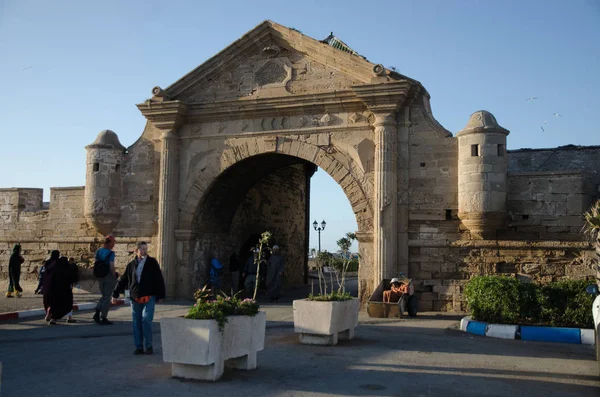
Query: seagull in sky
x=531, y=99
x=29, y=67
x=557, y=115
x=542, y=129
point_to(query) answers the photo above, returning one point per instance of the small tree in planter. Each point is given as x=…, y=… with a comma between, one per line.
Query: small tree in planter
x=226, y=331
x=263, y=247
x=325, y=318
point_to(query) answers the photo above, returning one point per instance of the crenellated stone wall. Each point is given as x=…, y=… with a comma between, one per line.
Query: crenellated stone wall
x=61, y=227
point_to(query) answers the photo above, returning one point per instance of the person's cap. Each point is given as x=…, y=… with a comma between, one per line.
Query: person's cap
x=394, y=280
x=111, y=238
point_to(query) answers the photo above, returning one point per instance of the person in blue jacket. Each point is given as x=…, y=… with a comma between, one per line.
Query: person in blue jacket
x=216, y=269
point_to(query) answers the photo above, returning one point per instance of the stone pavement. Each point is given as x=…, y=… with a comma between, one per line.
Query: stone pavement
x=412, y=357
x=88, y=293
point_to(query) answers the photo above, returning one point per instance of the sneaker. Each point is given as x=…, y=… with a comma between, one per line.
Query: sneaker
x=138, y=352
x=52, y=322
x=97, y=317
x=18, y=294
x=9, y=295
x=105, y=321
x=71, y=320
x=149, y=350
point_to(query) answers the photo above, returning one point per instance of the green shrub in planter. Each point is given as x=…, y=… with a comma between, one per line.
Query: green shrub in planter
x=529, y=303
x=566, y=304
x=493, y=298
x=505, y=300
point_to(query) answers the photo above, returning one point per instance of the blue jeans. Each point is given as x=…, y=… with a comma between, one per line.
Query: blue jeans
x=143, y=314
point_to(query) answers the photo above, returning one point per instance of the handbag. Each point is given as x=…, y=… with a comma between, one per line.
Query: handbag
x=142, y=299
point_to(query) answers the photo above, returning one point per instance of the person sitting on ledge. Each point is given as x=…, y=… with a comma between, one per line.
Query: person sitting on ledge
x=395, y=292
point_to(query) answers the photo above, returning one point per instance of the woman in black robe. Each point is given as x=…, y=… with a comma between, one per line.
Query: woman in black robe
x=58, y=295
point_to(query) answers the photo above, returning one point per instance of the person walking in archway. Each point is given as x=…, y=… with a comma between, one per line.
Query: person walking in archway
x=104, y=271
x=249, y=274
x=234, y=270
x=14, y=273
x=275, y=274
x=214, y=274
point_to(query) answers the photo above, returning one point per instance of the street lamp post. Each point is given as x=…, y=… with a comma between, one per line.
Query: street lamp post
x=319, y=229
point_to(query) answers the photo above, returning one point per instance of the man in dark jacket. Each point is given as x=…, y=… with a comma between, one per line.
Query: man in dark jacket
x=143, y=282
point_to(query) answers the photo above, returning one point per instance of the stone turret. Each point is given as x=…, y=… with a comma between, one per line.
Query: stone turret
x=482, y=175
x=103, y=182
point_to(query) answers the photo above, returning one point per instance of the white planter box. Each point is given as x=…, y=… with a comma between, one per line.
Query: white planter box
x=324, y=323
x=197, y=349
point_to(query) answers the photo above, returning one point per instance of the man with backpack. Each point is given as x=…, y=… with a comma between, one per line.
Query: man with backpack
x=104, y=271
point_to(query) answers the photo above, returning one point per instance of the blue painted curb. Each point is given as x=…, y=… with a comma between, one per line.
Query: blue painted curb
x=477, y=328
x=528, y=332
x=551, y=334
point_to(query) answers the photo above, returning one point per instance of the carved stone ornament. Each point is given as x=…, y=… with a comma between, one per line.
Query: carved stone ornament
x=271, y=51
x=379, y=70
x=272, y=73
x=354, y=118
x=243, y=125
x=158, y=92
x=221, y=127
x=302, y=121
x=370, y=117
x=326, y=119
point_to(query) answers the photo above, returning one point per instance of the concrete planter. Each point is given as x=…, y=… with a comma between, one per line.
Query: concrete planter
x=324, y=323
x=197, y=349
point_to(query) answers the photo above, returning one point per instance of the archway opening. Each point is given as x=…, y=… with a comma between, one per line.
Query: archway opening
x=262, y=192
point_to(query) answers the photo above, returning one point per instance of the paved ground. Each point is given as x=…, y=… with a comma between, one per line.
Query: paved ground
x=415, y=357
x=87, y=293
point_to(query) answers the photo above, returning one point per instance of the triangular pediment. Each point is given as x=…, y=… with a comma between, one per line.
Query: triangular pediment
x=272, y=60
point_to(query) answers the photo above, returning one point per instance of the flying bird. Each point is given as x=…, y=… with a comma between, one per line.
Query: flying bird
x=29, y=67
x=557, y=115
x=531, y=99
x=542, y=129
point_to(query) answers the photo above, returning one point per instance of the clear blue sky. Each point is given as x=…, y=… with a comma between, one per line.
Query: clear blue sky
x=70, y=69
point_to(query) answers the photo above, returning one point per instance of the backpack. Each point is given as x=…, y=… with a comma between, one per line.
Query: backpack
x=101, y=267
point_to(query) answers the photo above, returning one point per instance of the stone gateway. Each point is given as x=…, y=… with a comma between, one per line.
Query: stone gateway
x=229, y=149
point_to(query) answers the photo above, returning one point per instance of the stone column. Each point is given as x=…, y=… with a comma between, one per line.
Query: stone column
x=167, y=116
x=404, y=125
x=385, y=191
x=183, y=258
x=167, y=207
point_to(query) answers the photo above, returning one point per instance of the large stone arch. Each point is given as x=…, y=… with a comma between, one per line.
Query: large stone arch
x=341, y=167
x=197, y=243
